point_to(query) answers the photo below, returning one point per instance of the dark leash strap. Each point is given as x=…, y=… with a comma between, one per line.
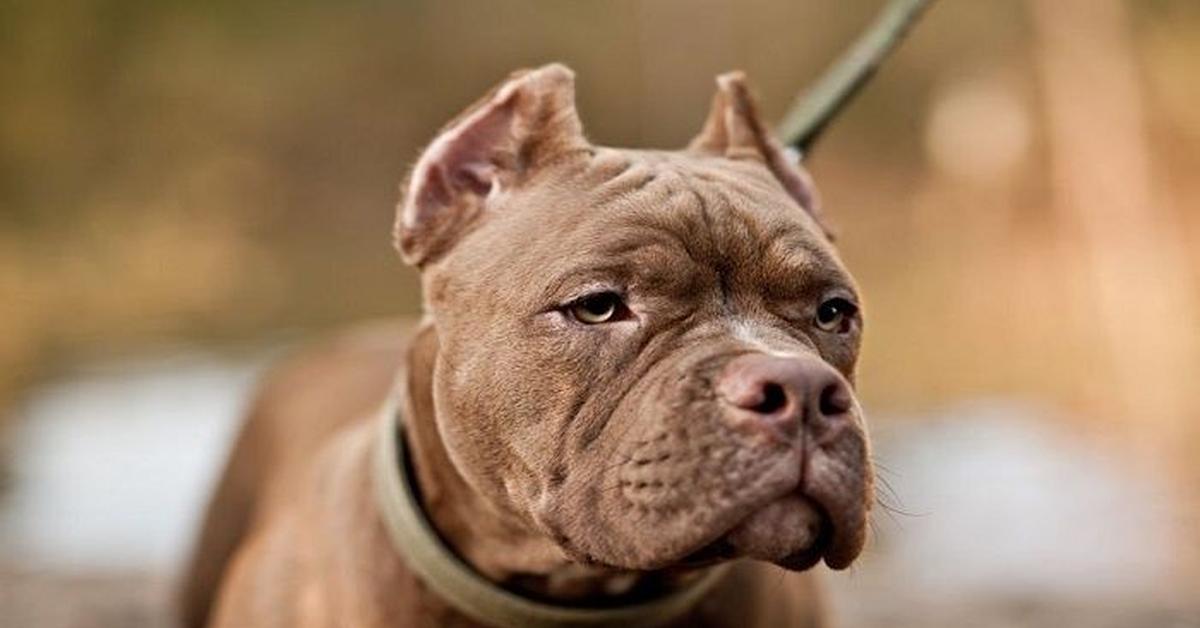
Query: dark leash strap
x=811, y=112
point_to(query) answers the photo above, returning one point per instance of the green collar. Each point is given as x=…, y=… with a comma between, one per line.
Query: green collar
x=427, y=556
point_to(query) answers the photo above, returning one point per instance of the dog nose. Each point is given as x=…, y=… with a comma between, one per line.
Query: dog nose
x=780, y=394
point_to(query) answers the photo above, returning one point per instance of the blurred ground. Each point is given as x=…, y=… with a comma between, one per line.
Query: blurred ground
x=185, y=183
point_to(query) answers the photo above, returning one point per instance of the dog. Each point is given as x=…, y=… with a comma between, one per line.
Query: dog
x=630, y=400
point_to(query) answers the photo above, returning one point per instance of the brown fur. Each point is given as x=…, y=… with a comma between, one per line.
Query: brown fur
x=568, y=461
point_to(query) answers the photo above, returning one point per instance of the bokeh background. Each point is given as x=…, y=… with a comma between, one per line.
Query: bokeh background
x=189, y=189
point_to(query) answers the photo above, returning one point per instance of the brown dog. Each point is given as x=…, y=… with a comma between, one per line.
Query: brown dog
x=635, y=367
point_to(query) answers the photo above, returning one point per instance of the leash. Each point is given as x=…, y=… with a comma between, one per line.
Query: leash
x=428, y=557
x=812, y=112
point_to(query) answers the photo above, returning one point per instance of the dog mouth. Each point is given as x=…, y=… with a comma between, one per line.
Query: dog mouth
x=794, y=532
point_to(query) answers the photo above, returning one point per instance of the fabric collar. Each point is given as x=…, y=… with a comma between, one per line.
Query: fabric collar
x=414, y=537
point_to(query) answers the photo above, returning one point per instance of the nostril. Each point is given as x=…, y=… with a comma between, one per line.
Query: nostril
x=835, y=400
x=774, y=399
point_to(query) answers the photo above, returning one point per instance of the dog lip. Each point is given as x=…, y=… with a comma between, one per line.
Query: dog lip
x=845, y=516
x=728, y=545
x=839, y=538
x=810, y=556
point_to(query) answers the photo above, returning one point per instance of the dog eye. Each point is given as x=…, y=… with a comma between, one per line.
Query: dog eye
x=836, y=315
x=602, y=307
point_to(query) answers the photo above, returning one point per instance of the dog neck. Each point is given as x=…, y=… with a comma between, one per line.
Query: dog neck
x=496, y=545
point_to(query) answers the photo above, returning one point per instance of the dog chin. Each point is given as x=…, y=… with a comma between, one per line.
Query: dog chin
x=785, y=531
x=791, y=531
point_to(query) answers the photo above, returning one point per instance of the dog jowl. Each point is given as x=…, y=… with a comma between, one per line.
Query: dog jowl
x=644, y=358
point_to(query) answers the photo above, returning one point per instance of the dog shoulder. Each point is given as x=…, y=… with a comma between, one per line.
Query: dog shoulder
x=299, y=404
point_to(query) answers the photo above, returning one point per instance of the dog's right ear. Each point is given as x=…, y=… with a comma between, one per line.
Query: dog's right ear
x=523, y=122
x=735, y=130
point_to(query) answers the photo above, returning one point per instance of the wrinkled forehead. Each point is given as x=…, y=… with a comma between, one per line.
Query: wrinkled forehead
x=652, y=211
x=725, y=208
x=723, y=202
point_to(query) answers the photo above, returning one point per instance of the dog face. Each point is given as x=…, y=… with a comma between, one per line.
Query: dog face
x=646, y=357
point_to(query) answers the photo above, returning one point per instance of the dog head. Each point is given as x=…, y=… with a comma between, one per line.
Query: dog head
x=646, y=357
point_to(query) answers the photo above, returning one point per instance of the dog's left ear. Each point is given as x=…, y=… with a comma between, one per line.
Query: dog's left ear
x=735, y=130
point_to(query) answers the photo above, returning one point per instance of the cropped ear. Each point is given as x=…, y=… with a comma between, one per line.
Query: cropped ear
x=523, y=122
x=735, y=130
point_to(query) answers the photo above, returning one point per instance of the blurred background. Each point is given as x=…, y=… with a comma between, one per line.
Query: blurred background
x=189, y=189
